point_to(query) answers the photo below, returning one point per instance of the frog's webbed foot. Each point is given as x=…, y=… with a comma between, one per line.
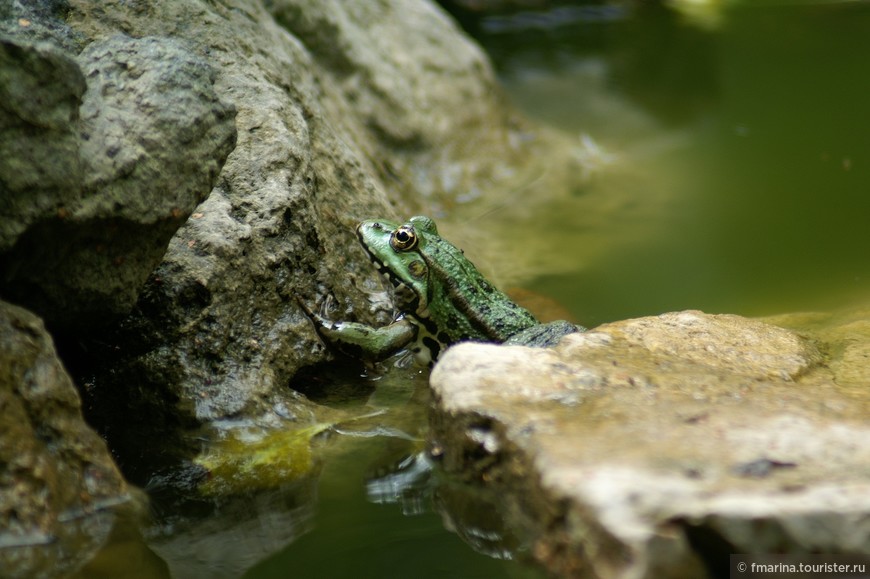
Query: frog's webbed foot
x=360, y=340
x=319, y=319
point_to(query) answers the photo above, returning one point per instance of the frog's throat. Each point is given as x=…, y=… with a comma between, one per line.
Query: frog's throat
x=409, y=299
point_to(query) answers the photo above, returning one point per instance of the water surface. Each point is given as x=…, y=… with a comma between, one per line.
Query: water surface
x=750, y=133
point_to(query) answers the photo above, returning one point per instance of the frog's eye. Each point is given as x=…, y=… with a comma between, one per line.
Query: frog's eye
x=404, y=238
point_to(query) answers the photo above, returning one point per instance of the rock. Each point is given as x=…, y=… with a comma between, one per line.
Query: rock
x=42, y=88
x=344, y=112
x=60, y=492
x=302, y=118
x=424, y=92
x=120, y=144
x=654, y=447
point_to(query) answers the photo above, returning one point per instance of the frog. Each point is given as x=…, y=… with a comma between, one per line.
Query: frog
x=441, y=298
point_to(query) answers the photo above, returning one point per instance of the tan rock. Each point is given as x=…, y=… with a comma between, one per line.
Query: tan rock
x=650, y=447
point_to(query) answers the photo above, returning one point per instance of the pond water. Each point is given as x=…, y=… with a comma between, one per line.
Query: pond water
x=372, y=506
x=382, y=509
x=747, y=137
x=747, y=129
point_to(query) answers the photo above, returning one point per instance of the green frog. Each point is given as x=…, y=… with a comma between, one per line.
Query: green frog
x=442, y=299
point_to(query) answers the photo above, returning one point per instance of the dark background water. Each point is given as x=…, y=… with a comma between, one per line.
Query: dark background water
x=758, y=124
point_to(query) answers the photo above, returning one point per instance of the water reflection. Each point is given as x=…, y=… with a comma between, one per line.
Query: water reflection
x=98, y=542
x=382, y=507
x=373, y=499
x=125, y=553
x=475, y=515
x=417, y=485
x=406, y=485
x=238, y=534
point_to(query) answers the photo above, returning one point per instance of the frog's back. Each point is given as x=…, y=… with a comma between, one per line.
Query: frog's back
x=479, y=311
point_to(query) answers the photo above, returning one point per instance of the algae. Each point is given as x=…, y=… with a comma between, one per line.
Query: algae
x=236, y=464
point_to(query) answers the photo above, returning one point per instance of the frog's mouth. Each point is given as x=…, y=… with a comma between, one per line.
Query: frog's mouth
x=406, y=298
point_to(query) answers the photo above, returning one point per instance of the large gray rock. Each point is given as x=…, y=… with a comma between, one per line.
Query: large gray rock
x=343, y=110
x=59, y=488
x=42, y=87
x=654, y=447
x=103, y=155
x=424, y=93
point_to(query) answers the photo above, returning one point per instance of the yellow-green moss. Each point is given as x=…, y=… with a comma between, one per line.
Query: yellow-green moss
x=238, y=464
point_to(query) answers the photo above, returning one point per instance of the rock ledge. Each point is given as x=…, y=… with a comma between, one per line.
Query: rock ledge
x=655, y=447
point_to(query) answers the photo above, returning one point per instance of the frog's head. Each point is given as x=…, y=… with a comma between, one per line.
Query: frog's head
x=396, y=249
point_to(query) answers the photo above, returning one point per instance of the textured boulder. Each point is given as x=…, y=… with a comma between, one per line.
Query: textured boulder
x=59, y=489
x=103, y=155
x=342, y=110
x=424, y=93
x=42, y=87
x=655, y=447
x=302, y=118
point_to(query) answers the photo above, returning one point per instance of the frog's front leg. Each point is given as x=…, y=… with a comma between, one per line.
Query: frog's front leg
x=360, y=340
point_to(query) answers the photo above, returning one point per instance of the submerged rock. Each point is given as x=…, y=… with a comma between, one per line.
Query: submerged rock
x=655, y=447
x=60, y=492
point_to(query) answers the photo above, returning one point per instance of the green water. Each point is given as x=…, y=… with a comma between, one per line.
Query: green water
x=374, y=506
x=381, y=509
x=742, y=152
x=751, y=139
